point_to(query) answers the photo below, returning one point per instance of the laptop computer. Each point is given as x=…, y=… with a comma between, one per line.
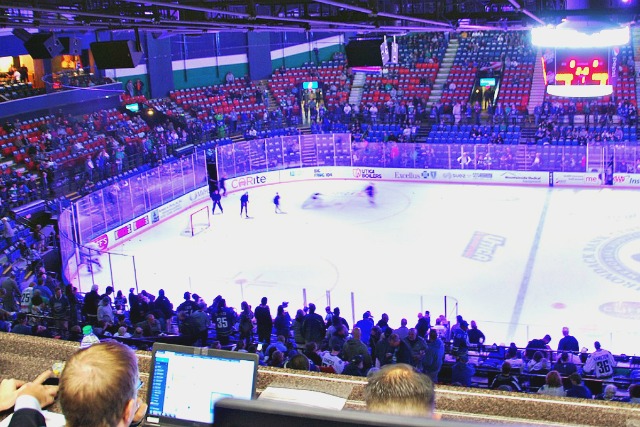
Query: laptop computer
x=185, y=382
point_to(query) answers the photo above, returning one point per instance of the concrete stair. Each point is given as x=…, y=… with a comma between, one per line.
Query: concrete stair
x=357, y=88
x=537, y=85
x=443, y=71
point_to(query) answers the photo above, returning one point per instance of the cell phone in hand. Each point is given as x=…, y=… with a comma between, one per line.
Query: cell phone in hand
x=52, y=381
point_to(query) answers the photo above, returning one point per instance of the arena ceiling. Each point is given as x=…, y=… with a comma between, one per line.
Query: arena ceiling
x=164, y=17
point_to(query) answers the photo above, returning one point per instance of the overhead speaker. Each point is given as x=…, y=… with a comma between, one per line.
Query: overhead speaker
x=362, y=53
x=116, y=54
x=71, y=45
x=22, y=34
x=43, y=46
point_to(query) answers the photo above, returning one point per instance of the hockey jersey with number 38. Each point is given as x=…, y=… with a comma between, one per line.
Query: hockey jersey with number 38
x=600, y=364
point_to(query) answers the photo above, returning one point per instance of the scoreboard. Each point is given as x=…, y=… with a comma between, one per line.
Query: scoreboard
x=579, y=72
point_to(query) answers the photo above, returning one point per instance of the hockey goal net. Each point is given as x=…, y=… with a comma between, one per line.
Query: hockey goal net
x=199, y=221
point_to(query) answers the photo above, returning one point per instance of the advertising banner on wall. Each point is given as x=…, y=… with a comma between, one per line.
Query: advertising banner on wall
x=575, y=179
x=626, y=180
x=246, y=182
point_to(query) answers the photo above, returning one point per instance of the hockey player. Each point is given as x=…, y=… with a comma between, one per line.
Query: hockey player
x=216, y=197
x=222, y=185
x=371, y=192
x=276, y=202
x=244, y=204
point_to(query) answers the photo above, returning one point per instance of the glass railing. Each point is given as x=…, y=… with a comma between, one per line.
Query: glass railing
x=285, y=152
x=92, y=217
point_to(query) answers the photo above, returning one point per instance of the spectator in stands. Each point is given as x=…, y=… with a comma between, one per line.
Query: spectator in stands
x=609, y=393
x=505, y=380
x=383, y=324
x=578, y=389
x=246, y=323
x=105, y=312
x=201, y=322
x=311, y=352
x=392, y=350
x=418, y=348
x=365, y=326
x=398, y=389
x=355, y=367
x=279, y=344
x=342, y=320
x=475, y=335
x=59, y=308
x=165, y=307
x=264, y=321
x=431, y=363
x=634, y=393
x=568, y=342
x=553, y=385
x=188, y=306
x=130, y=88
x=538, y=365
x=462, y=371
x=564, y=366
x=424, y=324
x=298, y=362
x=10, y=285
x=90, y=305
x=537, y=344
x=600, y=363
x=224, y=320
x=355, y=347
x=20, y=325
x=332, y=359
x=313, y=327
x=8, y=232
x=460, y=337
x=402, y=331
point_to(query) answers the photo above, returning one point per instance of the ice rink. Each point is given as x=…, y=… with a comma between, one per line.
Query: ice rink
x=520, y=261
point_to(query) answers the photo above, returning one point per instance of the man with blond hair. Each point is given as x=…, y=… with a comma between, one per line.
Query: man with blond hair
x=99, y=387
x=398, y=389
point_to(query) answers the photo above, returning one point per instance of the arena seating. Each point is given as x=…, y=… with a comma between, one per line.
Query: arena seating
x=14, y=91
x=328, y=74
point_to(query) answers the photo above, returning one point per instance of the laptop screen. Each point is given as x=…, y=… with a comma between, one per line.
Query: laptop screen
x=184, y=384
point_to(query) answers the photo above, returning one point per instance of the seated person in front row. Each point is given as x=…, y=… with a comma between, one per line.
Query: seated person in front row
x=86, y=392
x=398, y=389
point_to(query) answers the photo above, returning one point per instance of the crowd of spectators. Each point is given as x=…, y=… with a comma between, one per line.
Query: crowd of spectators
x=445, y=352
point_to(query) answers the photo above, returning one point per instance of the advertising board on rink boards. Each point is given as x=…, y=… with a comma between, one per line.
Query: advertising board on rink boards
x=576, y=179
x=391, y=174
x=470, y=176
x=139, y=224
x=626, y=180
x=245, y=182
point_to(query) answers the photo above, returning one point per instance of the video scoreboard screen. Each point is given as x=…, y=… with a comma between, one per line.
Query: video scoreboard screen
x=579, y=72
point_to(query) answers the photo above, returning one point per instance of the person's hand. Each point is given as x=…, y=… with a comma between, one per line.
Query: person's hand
x=9, y=393
x=141, y=412
x=45, y=394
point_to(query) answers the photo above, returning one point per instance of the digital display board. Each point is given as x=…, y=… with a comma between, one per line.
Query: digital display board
x=487, y=81
x=578, y=72
x=582, y=67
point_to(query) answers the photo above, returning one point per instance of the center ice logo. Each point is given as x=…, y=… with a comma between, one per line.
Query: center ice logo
x=616, y=258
